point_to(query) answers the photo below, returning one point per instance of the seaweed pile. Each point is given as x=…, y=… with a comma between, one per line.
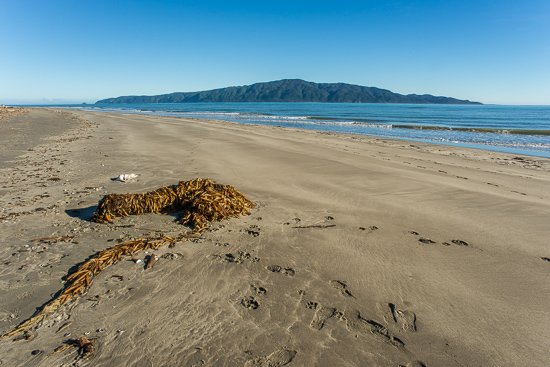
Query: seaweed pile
x=202, y=201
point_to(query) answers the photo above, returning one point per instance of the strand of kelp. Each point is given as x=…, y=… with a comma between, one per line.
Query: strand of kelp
x=204, y=200
x=80, y=281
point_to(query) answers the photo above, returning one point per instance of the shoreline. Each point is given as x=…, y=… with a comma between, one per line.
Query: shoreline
x=516, y=137
x=531, y=161
x=422, y=241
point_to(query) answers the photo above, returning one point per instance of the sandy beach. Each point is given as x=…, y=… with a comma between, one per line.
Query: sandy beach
x=361, y=251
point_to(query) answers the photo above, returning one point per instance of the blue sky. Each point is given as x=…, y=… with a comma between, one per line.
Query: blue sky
x=75, y=51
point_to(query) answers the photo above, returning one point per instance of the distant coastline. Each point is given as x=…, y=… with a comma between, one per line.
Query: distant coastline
x=291, y=90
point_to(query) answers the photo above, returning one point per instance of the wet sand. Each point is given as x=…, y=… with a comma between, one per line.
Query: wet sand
x=362, y=251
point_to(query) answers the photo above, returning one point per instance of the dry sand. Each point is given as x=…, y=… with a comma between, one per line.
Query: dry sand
x=362, y=251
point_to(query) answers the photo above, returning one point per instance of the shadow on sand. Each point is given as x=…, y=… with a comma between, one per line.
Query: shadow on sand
x=82, y=213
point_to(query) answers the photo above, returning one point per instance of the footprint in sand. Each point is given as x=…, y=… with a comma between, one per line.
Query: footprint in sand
x=342, y=286
x=357, y=323
x=322, y=314
x=406, y=319
x=295, y=220
x=250, y=303
x=253, y=230
x=413, y=364
x=279, y=269
x=371, y=228
x=257, y=289
x=239, y=258
x=457, y=242
x=280, y=357
x=311, y=305
x=423, y=240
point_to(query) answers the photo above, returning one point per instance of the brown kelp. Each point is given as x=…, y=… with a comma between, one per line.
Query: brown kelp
x=202, y=201
x=78, y=282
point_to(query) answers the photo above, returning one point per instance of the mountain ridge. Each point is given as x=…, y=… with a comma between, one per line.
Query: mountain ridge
x=291, y=90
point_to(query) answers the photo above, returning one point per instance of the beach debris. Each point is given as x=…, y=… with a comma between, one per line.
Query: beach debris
x=316, y=226
x=78, y=282
x=202, y=200
x=85, y=347
x=124, y=177
x=151, y=259
x=64, y=326
x=27, y=335
x=53, y=239
x=63, y=347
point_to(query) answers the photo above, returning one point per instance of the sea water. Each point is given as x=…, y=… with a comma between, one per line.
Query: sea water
x=511, y=129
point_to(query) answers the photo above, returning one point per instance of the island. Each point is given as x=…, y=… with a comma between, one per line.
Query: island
x=291, y=90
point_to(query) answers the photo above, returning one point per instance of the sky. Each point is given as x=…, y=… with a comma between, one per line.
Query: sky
x=81, y=51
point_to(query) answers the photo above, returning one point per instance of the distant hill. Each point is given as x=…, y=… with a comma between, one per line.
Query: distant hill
x=291, y=90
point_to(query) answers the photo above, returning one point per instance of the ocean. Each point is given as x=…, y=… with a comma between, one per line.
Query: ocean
x=511, y=129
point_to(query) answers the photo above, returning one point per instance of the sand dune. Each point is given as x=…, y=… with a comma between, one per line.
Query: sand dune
x=361, y=251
